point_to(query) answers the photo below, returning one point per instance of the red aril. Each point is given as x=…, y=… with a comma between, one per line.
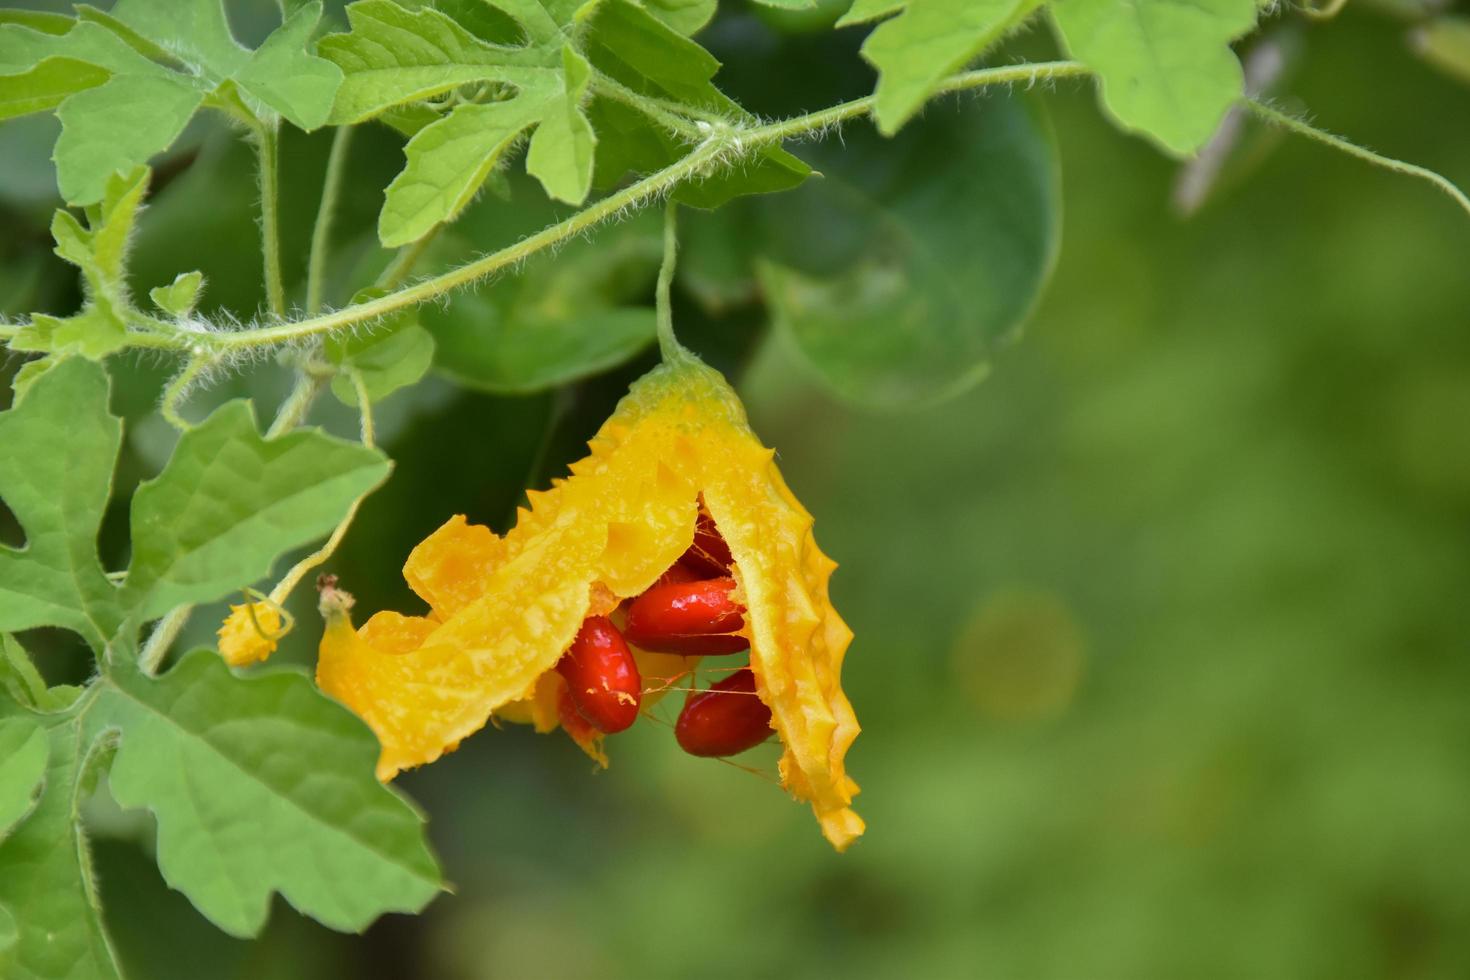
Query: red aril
x=725, y=720
x=678, y=573
x=602, y=677
x=709, y=554
x=691, y=618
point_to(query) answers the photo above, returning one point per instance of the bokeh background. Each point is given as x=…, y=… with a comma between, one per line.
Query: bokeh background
x=1163, y=630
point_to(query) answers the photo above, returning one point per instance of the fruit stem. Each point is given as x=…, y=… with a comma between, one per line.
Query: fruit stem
x=668, y=345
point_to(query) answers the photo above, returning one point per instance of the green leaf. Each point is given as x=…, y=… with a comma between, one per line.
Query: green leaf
x=46, y=880
x=23, y=754
x=560, y=155
x=59, y=498
x=559, y=318
x=92, y=333
x=282, y=73
x=1165, y=68
x=9, y=939
x=481, y=347
x=901, y=273
x=23, y=47
x=285, y=75
x=46, y=85
x=392, y=355
x=19, y=679
x=22, y=683
x=394, y=57
x=926, y=43
x=195, y=31
x=37, y=20
x=448, y=162
x=230, y=501
x=116, y=127
x=688, y=16
x=100, y=252
x=635, y=48
x=262, y=784
x=125, y=83
x=179, y=297
x=41, y=69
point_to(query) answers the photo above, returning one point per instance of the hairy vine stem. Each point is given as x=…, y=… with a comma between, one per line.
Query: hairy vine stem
x=716, y=142
x=321, y=233
x=720, y=142
x=267, y=147
x=1301, y=127
x=178, y=388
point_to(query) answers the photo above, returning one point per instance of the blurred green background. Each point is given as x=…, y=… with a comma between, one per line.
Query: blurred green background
x=1163, y=631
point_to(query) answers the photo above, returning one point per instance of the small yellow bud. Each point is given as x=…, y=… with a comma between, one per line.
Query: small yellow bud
x=250, y=633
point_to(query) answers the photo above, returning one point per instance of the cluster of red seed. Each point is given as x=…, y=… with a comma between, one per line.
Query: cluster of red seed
x=688, y=611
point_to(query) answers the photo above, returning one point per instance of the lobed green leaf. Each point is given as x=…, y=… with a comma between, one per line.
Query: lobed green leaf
x=179, y=297
x=927, y=42
x=1165, y=68
x=100, y=252
x=230, y=501
x=116, y=127
x=125, y=83
x=262, y=784
x=394, y=57
x=641, y=52
x=448, y=162
x=63, y=444
x=47, y=888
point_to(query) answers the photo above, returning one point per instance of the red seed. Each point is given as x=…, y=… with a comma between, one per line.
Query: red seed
x=725, y=720
x=602, y=677
x=691, y=618
x=677, y=574
x=709, y=554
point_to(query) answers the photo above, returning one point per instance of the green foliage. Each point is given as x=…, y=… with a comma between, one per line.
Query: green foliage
x=23, y=755
x=684, y=16
x=100, y=252
x=226, y=505
x=898, y=282
x=392, y=355
x=1164, y=67
x=125, y=83
x=290, y=801
x=486, y=95
x=394, y=56
x=47, y=887
x=179, y=297
x=9, y=936
x=230, y=501
x=58, y=498
x=925, y=43
x=646, y=57
x=560, y=318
